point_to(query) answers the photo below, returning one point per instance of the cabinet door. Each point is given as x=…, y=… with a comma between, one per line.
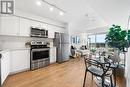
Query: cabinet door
x=51, y=31
x=38, y=24
x=9, y=25
x=35, y=24
x=20, y=60
x=61, y=30
x=53, y=55
x=5, y=66
x=25, y=27
x=43, y=26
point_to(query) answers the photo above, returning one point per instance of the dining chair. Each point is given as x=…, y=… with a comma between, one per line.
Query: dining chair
x=98, y=69
x=115, y=64
x=73, y=51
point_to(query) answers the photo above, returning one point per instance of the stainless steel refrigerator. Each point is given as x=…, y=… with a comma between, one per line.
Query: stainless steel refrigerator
x=61, y=41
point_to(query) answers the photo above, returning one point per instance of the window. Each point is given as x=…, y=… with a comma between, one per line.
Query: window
x=75, y=39
x=100, y=40
x=97, y=40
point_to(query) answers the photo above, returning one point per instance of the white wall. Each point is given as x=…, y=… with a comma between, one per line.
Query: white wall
x=83, y=39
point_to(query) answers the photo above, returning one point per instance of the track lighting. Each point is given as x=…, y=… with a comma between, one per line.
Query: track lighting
x=38, y=3
x=61, y=13
x=52, y=7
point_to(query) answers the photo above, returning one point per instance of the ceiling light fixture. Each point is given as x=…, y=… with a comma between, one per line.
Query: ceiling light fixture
x=51, y=9
x=54, y=6
x=61, y=13
x=38, y=3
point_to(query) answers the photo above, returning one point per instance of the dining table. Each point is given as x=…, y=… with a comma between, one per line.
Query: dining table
x=113, y=66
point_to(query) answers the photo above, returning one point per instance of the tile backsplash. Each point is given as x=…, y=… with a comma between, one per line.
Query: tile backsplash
x=17, y=42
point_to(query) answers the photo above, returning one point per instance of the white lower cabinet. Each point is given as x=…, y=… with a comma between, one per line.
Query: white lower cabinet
x=52, y=54
x=20, y=60
x=5, y=66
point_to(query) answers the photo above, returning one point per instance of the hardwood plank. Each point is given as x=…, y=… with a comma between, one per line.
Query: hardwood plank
x=67, y=74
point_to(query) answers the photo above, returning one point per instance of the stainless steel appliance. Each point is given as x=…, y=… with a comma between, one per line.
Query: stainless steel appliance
x=38, y=32
x=0, y=70
x=61, y=41
x=39, y=55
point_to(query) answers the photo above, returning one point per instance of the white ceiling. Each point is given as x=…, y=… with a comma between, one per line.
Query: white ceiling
x=81, y=14
x=74, y=9
x=112, y=11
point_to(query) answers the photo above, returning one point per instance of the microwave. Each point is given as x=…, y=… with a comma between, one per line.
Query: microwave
x=38, y=32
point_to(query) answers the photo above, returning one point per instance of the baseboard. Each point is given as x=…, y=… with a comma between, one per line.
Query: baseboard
x=12, y=73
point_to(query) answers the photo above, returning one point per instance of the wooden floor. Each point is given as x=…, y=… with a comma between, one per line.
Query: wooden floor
x=67, y=74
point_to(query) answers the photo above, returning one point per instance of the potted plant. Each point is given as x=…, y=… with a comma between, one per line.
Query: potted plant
x=117, y=38
x=129, y=37
x=93, y=51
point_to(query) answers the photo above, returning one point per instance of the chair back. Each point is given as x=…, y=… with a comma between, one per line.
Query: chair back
x=87, y=56
x=115, y=58
x=72, y=50
x=105, y=67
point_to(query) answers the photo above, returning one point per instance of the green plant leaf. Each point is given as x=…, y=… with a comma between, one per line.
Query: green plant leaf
x=116, y=37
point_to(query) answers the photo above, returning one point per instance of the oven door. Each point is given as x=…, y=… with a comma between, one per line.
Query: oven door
x=39, y=54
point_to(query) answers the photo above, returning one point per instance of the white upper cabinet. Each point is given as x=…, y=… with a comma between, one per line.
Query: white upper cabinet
x=51, y=31
x=61, y=30
x=34, y=24
x=26, y=24
x=18, y=26
x=43, y=26
x=38, y=24
x=9, y=25
x=25, y=27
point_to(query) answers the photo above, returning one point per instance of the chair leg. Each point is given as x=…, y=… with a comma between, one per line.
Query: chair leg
x=92, y=76
x=111, y=81
x=114, y=77
x=102, y=81
x=85, y=78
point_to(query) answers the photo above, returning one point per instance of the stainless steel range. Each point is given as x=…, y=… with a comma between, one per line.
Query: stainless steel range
x=39, y=55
